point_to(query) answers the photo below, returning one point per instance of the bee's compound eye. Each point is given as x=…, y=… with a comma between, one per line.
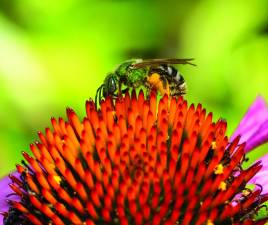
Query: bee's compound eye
x=111, y=85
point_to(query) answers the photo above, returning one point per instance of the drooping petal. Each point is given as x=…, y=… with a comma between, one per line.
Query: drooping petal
x=261, y=177
x=253, y=128
x=5, y=190
x=258, y=138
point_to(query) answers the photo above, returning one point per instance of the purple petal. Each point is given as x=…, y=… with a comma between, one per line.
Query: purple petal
x=262, y=176
x=4, y=191
x=253, y=128
x=258, y=138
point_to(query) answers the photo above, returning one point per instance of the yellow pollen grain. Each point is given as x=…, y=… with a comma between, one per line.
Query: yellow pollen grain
x=213, y=145
x=222, y=186
x=57, y=179
x=219, y=169
x=246, y=192
x=210, y=222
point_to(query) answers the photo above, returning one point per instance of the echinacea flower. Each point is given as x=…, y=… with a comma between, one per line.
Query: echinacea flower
x=136, y=161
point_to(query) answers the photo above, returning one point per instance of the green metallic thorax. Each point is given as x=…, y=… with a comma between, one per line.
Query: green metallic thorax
x=129, y=76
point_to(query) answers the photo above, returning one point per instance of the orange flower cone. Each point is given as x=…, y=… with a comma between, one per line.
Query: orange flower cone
x=136, y=161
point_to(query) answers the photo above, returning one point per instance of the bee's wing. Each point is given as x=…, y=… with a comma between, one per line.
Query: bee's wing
x=151, y=62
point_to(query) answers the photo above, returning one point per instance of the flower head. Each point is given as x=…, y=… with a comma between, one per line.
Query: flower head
x=136, y=161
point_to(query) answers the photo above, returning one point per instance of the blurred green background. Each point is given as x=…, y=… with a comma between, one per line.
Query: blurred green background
x=55, y=54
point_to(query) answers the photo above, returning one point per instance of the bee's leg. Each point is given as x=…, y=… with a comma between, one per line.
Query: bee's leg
x=119, y=89
x=164, y=85
x=113, y=97
x=98, y=96
x=147, y=88
x=164, y=80
x=182, y=88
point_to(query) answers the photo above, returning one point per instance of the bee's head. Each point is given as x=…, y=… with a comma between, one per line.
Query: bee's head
x=108, y=88
x=110, y=85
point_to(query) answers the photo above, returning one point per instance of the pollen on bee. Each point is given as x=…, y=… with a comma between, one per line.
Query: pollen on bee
x=155, y=81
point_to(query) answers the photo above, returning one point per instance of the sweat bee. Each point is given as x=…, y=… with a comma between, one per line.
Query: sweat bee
x=153, y=74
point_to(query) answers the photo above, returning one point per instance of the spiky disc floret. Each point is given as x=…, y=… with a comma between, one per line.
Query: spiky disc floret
x=136, y=161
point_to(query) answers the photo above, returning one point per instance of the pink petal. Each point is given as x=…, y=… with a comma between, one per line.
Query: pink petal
x=4, y=191
x=262, y=176
x=253, y=128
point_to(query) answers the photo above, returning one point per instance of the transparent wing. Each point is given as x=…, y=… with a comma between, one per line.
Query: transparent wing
x=151, y=62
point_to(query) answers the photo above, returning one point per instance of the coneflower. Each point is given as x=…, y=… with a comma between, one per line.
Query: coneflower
x=136, y=161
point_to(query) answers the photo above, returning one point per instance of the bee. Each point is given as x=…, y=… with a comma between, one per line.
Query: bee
x=153, y=74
